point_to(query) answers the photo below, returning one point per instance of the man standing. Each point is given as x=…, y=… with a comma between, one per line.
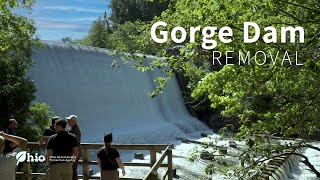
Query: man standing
x=49, y=131
x=74, y=129
x=62, y=150
x=9, y=145
x=8, y=162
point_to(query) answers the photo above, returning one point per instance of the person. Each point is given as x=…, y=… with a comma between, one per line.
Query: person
x=12, y=126
x=74, y=129
x=49, y=131
x=62, y=150
x=8, y=161
x=109, y=160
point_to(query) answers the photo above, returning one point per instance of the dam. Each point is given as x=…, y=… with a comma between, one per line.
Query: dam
x=80, y=80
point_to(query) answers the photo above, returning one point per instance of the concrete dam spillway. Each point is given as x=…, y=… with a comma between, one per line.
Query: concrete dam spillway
x=80, y=80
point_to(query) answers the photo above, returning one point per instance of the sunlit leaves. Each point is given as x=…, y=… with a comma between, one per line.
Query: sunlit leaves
x=264, y=100
x=16, y=42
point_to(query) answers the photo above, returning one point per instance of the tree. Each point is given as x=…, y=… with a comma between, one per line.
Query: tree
x=128, y=10
x=39, y=118
x=84, y=41
x=99, y=33
x=16, y=90
x=66, y=40
x=122, y=37
x=15, y=50
x=39, y=112
x=265, y=100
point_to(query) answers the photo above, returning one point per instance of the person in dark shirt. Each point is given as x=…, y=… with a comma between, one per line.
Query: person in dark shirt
x=62, y=150
x=49, y=131
x=74, y=129
x=9, y=145
x=109, y=160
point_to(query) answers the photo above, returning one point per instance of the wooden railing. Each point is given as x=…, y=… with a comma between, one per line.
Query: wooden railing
x=85, y=161
x=153, y=173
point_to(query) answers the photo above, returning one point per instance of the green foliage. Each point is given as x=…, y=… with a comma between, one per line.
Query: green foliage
x=17, y=91
x=39, y=118
x=40, y=114
x=84, y=41
x=129, y=10
x=99, y=33
x=16, y=36
x=28, y=131
x=126, y=16
x=122, y=37
x=7, y=5
x=121, y=33
x=264, y=100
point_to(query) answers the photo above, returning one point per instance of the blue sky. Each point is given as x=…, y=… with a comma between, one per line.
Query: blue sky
x=55, y=19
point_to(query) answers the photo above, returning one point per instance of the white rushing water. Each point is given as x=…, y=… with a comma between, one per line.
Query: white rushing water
x=301, y=171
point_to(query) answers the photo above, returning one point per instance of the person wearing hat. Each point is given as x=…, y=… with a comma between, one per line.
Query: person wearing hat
x=74, y=129
x=109, y=160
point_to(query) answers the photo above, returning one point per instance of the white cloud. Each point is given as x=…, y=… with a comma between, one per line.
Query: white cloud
x=49, y=24
x=101, y=2
x=84, y=19
x=73, y=8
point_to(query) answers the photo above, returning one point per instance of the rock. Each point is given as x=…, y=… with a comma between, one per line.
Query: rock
x=223, y=150
x=232, y=144
x=139, y=155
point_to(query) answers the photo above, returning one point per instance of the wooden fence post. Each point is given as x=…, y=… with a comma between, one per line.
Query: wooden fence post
x=26, y=168
x=85, y=169
x=170, y=166
x=153, y=160
x=153, y=157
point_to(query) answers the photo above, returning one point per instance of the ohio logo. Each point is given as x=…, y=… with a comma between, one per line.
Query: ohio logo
x=25, y=156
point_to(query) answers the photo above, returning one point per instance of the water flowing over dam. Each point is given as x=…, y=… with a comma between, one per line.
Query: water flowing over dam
x=80, y=80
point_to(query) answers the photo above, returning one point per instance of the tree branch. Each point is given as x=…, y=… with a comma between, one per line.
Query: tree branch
x=309, y=146
x=205, y=98
x=290, y=15
x=312, y=168
x=305, y=161
x=295, y=24
x=300, y=6
x=309, y=104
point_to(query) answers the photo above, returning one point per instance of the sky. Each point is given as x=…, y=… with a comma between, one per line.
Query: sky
x=55, y=19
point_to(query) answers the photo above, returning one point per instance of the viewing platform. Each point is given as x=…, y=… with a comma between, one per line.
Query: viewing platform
x=85, y=161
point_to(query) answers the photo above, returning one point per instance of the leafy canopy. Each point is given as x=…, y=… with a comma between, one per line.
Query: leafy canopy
x=128, y=10
x=17, y=91
x=264, y=100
